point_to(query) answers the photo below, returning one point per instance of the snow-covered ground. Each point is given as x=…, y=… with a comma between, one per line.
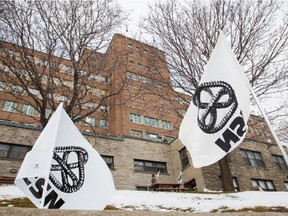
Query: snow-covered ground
x=196, y=202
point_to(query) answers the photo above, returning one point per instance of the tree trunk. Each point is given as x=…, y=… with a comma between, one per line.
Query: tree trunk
x=226, y=176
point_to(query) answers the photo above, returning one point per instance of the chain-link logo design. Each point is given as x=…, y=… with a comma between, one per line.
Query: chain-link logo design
x=212, y=99
x=68, y=174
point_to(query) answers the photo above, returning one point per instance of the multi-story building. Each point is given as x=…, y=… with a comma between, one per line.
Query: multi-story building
x=133, y=123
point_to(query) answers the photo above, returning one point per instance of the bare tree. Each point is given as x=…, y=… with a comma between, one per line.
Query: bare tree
x=54, y=55
x=257, y=31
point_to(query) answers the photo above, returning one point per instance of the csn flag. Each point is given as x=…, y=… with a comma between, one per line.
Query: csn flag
x=216, y=120
x=63, y=170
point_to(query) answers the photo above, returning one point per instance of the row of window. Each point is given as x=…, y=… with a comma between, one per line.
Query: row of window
x=27, y=109
x=19, y=152
x=150, y=121
x=138, y=48
x=35, y=92
x=92, y=121
x=144, y=79
x=11, y=106
x=253, y=158
x=250, y=158
x=150, y=136
x=147, y=68
x=44, y=63
x=13, y=151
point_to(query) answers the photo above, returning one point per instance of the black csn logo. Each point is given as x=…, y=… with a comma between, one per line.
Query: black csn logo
x=213, y=98
x=220, y=95
x=66, y=176
x=72, y=174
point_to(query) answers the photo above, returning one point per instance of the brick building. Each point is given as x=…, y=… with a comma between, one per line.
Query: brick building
x=134, y=130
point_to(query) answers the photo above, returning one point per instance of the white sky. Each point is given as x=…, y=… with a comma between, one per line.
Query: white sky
x=137, y=8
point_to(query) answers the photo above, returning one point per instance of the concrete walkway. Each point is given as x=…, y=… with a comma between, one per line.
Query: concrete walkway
x=40, y=212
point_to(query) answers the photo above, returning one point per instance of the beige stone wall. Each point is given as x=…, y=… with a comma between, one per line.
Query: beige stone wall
x=244, y=172
x=189, y=172
x=124, y=152
x=15, y=135
x=208, y=177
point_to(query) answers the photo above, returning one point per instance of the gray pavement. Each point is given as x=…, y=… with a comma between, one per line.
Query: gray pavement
x=53, y=212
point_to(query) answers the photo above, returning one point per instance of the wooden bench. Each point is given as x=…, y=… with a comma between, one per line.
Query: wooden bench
x=6, y=180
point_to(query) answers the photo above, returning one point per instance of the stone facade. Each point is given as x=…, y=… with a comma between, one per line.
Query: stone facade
x=125, y=150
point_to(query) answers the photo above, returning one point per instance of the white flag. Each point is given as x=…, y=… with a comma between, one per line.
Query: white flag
x=216, y=120
x=157, y=175
x=63, y=170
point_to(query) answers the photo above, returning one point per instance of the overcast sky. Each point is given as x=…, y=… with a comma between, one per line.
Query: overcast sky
x=136, y=8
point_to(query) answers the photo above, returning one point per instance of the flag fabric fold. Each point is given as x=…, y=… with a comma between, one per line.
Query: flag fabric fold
x=216, y=120
x=63, y=170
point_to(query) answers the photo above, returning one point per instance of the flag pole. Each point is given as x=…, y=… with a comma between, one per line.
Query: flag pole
x=270, y=127
x=264, y=115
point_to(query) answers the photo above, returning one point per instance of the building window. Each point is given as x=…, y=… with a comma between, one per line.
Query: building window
x=152, y=136
x=109, y=161
x=10, y=106
x=141, y=188
x=133, y=76
x=62, y=98
x=135, y=118
x=13, y=151
x=150, y=166
x=91, y=105
x=136, y=133
x=184, y=158
x=48, y=113
x=252, y=158
x=280, y=162
x=42, y=63
x=286, y=185
x=104, y=108
x=2, y=86
x=68, y=70
x=90, y=120
x=235, y=184
x=103, y=124
x=266, y=185
x=34, y=92
x=151, y=121
x=28, y=109
x=167, y=125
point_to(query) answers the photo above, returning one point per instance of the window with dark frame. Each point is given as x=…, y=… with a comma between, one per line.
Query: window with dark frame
x=10, y=106
x=109, y=161
x=184, y=158
x=252, y=158
x=280, y=162
x=286, y=185
x=12, y=151
x=266, y=185
x=150, y=166
x=235, y=184
x=135, y=118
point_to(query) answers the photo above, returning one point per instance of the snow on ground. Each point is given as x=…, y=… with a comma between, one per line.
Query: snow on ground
x=172, y=201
